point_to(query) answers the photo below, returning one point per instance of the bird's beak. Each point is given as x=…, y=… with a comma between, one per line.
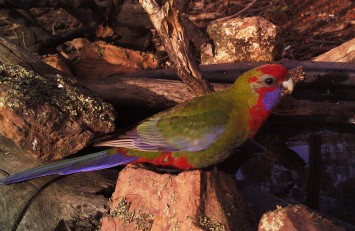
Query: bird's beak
x=287, y=86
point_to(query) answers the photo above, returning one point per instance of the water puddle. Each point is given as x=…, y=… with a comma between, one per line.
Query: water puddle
x=319, y=173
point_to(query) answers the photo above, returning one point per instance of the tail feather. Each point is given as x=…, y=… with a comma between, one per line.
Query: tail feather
x=91, y=162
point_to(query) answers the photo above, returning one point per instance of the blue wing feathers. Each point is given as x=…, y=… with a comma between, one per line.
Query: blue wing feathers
x=95, y=161
x=98, y=164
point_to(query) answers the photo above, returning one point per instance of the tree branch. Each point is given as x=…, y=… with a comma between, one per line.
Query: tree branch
x=167, y=20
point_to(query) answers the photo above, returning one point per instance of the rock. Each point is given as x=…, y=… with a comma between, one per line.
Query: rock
x=294, y=218
x=99, y=59
x=242, y=40
x=193, y=200
x=50, y=116
x=58, y=62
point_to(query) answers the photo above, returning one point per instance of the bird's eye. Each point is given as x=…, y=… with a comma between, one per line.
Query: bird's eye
x=269, y=81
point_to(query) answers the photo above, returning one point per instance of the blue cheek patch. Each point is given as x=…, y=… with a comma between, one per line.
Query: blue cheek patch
x=271, y=99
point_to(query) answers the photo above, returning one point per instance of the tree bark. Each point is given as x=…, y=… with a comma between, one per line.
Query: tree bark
x=167, y=20
x=318, y=73
x=11, y=54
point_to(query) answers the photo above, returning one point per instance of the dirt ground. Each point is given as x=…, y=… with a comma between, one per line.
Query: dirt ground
x=309, y=27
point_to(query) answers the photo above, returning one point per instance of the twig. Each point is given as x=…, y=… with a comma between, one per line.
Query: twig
x=236, y=14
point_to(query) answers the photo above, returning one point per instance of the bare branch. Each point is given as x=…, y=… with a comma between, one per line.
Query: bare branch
x=167, y=20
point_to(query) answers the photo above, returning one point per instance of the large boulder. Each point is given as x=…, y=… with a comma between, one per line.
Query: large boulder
x=192, y=200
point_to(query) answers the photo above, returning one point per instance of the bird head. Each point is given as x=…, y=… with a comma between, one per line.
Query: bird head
x=262, y=89
x=270, y=82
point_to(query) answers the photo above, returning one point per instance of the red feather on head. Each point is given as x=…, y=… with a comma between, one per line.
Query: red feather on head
x=268, y=95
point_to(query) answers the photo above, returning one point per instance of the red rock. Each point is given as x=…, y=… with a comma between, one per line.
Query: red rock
x=295, y=218
x=50, y=116
x=58, y=62
x=99, y=59
x=193, y=200
x=242, y=40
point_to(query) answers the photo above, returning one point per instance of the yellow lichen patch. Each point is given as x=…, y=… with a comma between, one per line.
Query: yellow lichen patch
x=272, y=221
x=205, y=223
x=122, y=212
x=142, y=220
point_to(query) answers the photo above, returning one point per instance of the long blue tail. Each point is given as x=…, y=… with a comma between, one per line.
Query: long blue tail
x=91, y=162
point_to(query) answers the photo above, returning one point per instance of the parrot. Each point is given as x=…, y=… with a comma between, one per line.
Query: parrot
x=195, y=134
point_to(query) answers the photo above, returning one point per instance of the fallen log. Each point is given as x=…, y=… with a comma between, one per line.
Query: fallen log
x=163, y=93
x=343, y=53
x=318, y=73
x=10, y=54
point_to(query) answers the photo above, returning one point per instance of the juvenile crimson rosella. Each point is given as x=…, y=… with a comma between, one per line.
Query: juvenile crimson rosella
x=195, y=134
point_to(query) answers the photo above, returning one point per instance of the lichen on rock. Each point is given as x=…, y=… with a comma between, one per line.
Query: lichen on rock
x=142, y=220
x=205, y=223
x=248, y=39
x=54, y=111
